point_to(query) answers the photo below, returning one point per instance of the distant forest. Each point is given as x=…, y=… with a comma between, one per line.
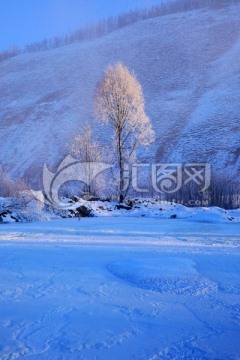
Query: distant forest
x=106, y=26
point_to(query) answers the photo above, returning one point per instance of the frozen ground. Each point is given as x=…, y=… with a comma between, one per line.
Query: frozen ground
x=120, y=288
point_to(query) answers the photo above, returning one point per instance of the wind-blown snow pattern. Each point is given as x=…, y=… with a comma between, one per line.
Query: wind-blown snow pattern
x=188, y=65
x=120, y=288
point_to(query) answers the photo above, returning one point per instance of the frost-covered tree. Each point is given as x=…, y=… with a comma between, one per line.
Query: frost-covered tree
x=88, y=151
x=84, y=148
x=119, y=102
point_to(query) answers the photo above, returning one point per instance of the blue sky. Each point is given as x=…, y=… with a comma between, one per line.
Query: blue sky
x=25, y=21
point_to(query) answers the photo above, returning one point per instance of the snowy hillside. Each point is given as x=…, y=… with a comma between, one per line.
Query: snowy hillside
x=187, y=63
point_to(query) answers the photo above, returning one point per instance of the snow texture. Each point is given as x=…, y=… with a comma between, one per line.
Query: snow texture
x=119, y=288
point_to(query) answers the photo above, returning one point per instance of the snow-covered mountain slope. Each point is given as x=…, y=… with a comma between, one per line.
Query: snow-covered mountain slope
x=187, y=63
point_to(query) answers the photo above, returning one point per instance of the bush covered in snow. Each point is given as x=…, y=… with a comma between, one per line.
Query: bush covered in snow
x=24, y=208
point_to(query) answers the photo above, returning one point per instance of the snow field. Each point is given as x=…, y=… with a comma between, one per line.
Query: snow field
x=119, y=288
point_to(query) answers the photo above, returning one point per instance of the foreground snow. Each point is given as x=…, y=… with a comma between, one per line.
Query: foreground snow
x=120, y=288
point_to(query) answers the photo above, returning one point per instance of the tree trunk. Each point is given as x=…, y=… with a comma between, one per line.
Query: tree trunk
x=121, y=172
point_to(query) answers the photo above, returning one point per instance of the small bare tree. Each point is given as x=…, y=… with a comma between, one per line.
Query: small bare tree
x=119, y=102
x=10, y=187
x=88, y=151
